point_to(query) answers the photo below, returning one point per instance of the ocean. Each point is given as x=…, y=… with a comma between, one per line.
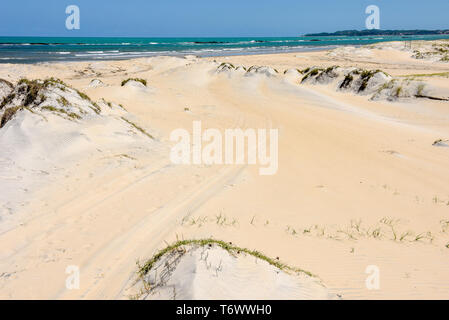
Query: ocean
x=40, y=49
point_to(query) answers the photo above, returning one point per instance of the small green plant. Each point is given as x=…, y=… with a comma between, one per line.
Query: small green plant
x=405, y=235
x=124, y=155
x=290, y=230
x=138, y=128
x=253, y=219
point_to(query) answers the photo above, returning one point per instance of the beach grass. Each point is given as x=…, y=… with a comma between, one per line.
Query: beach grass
x=140, y=129
x=228, y=246
x=142, y=81
x=9, y=114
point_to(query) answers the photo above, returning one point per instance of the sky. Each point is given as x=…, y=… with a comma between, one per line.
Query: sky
x=214, y=18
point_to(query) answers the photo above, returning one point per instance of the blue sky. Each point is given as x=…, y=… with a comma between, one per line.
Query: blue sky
x=214, y=18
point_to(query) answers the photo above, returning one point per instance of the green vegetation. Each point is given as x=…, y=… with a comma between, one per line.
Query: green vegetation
x=439, y=142
x=256, y=68
x=138, y=128
x=385, y=229
x=311, y=73
x=365, y=76
x=387, y=85
x=33, y=112
x=252, y=68
x=142, y=81
x=229, y=247
x=285, y=71
x=8, y=99
x=71, y=115
x=31, y=94
x=226, y=64
x=398, y=91
x=32, y=89
x=9, y=84
x=94, y=106
x=411, y=76
x=63, y=101
x=330, y=69
x=347, y=81
x=420, y=89
x=108, y=103
x=8, y=115
x=221, y=220
x=439, y=50
x=124, y=155
x=54, y=81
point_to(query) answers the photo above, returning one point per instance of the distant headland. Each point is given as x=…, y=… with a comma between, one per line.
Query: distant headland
x=376, y=32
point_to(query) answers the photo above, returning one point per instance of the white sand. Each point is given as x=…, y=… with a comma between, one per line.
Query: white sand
x=110, y=195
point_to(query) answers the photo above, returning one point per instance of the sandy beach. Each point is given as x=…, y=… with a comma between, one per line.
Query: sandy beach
x=362, y=180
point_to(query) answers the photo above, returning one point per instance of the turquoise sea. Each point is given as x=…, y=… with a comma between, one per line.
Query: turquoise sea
x=39, y=49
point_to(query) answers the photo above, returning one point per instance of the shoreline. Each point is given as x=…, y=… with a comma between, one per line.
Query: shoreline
x=180, y=55
x=74, y=52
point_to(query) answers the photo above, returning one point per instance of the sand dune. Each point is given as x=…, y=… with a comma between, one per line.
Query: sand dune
x=362, y=181
x=210, y=272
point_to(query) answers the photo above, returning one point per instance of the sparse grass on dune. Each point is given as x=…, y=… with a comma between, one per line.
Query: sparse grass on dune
x=142, y=81
x=228, y=246
x=8, y=99
x=310, y=73
x=8, y=115
x=386, y=229
x=33, y=93
x=425, y=75
x=9, y=84
x=137, y=128
x=71, y=115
